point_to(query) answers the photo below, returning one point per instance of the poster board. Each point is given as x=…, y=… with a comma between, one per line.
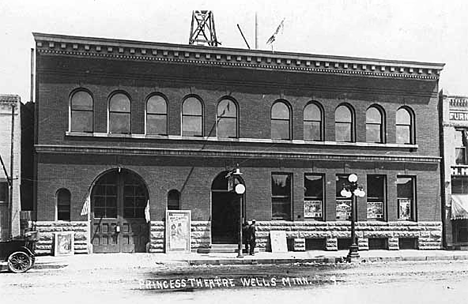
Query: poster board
x=375, y=210
x=178, y=231
x=64, y=243
x=404, y=209
x=343, y=210
x=278, y=241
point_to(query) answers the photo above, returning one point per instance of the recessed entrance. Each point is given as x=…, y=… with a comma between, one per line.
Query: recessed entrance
x=118, y=202
x=225, y=206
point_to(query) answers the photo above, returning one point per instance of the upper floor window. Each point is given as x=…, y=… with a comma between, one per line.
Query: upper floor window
x=156, y=115
x=227, y=119
x=173, y=200
x=460, y=147
x=313, y=125
x=192, y=117
x=280, y=121
x=119, y=114
x=374, y=125
x=81, y=112
x=404, y=127
x=63, y=197
x=3, y=192
x=344, y=124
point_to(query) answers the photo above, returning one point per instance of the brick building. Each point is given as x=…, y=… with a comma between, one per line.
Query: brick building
x=454, y=125
x=128, y=122
x=10, y=106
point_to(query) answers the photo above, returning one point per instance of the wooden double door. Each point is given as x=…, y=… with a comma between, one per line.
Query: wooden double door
x=118, y=202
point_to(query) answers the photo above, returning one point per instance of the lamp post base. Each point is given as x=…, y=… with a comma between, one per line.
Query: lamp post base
x=353, y=254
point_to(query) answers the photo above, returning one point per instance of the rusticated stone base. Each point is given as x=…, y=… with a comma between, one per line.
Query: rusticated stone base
x=46, y=230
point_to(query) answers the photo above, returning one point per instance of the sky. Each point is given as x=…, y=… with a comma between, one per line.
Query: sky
x=415, y=30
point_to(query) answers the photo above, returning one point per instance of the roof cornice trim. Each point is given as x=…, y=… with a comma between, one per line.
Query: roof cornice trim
x=49, y=44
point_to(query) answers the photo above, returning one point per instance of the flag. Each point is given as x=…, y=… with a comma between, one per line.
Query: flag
x=87, y=203
x=278, y=29
x=147, y=212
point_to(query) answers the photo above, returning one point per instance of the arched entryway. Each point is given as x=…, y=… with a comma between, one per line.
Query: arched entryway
x=118, y=201
x=225, y=206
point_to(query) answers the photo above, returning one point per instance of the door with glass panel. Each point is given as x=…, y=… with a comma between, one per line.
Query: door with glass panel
x=118, y=203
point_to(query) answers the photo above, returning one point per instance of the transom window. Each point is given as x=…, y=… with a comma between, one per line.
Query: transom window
x=374, y=126
x=280, y=121
x=119, y=114
x=63, y=198
x=313, y=126
x=404, y=127
x=192, y=117
x=81, y=112
x=344, y=124
x=227, y=119
x=281, y=196
x=156, y=115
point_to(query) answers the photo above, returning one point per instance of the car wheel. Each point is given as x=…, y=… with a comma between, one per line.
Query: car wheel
x=19, y=261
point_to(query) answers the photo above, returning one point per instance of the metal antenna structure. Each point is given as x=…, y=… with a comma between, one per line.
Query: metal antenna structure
x=202, y=29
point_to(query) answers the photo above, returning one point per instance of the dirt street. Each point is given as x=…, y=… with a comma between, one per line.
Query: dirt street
x=402, y=282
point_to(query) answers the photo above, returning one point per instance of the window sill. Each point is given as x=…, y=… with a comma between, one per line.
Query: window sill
x=246, y=140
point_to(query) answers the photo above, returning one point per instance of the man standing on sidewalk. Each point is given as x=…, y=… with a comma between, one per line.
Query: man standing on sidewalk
x=251, y=237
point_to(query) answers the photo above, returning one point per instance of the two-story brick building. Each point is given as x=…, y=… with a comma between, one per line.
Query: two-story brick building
x=129, y=122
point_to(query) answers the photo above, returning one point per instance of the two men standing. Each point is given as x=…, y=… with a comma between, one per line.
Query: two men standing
x=248, y=233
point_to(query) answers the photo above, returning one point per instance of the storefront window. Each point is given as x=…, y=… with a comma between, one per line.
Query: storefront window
x=405, y=197
x=313, y=196
x=376, y=202
x=281, y=196
x=343, y=204
x=460, y=147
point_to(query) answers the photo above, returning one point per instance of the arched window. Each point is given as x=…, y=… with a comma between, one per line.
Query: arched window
x=280, y=121
x=81, y=112
x=313, y=125
x=173, y=200
x=404, y=126
x=227, y=119
x=63, y=198
x=119, y=114
x=344, y=124
x=156, y=115
x=374, y=125
x=192, y=117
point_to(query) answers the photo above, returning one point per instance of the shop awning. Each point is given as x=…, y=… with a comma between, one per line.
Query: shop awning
x=459, y=206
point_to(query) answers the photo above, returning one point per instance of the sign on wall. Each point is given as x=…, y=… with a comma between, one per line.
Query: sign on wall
x=178, y=234
x=459, y=116
x=63, y=243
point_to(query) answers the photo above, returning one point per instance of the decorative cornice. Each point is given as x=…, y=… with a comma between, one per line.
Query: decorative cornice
x=48, y=44
x=181, y=152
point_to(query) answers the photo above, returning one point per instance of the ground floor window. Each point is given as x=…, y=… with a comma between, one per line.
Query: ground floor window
x=405, y=196
x=376, y=188
x=343, y=204
x=63, y=205
x=281, y=196
x=313, y=196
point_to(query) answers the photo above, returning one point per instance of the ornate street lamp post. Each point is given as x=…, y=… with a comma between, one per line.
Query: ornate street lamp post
x=353, y=190
x=240, y=190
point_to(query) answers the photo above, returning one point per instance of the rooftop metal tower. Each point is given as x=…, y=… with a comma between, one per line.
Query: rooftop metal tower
x=202, y=30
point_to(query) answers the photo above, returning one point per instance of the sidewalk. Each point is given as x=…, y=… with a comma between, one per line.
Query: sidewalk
x=144, y=260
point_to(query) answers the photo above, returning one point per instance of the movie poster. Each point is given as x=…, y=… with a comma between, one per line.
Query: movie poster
x=313, y=209
x=178, y=227
x=374, y=210
x=343, y=210
x=404, y=209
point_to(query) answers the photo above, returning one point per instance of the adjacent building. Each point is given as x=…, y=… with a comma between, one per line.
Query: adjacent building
x=10, y=167
x=454, y=124
x=136, y=128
